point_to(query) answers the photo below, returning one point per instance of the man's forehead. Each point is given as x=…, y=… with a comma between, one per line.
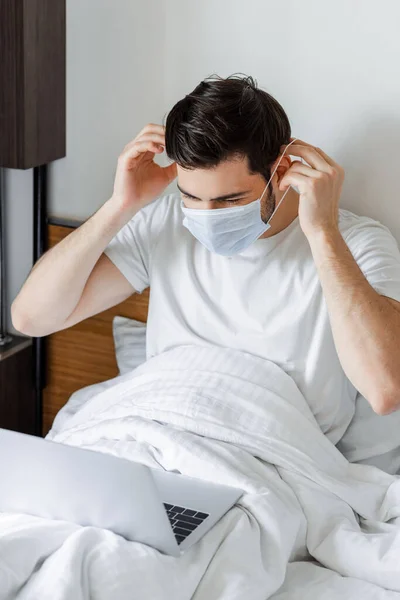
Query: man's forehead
x=226, y=179
x=220, y=198
x=233, y=165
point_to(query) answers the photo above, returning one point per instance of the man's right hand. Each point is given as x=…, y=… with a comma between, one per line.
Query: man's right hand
x=139, y=180
x=75, y=279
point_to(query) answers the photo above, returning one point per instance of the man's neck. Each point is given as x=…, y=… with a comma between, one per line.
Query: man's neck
x=285, y=215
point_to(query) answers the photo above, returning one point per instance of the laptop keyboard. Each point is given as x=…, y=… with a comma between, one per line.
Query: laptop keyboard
x=184, y=520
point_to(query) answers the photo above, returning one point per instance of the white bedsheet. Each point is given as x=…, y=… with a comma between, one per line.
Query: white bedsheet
x=310, y=525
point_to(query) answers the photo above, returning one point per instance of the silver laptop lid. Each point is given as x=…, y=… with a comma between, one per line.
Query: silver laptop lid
x=57, y=481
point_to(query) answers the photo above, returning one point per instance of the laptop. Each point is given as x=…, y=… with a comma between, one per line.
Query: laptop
x=163, y=509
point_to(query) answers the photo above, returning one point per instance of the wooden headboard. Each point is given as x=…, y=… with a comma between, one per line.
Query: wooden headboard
x=83, y=354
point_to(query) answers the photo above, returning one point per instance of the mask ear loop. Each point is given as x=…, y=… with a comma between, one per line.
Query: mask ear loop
x=273, y=173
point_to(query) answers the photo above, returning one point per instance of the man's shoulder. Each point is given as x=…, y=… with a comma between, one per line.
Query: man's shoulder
x=167, y=203
x=348, y=220
x=165, y=209
x=360, y=232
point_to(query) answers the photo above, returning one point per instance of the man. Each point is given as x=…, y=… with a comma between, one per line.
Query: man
x=314, y=289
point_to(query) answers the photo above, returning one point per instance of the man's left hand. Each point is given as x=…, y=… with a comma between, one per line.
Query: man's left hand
x=320, y=185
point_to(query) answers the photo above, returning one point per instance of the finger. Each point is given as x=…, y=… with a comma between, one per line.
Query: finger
x=309, y=153
x=152, y=128
x=298, y=167
x=154, y=137
x=139, y=148
x=302, y=142
x=296, y=179
x=328, y=158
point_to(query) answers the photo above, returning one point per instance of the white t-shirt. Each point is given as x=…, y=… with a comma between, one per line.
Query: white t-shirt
x=266, y=301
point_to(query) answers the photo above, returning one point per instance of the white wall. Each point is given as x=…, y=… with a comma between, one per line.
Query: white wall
x=18, y=191
x=333, y=66
x=115, y=54
x=114, y=87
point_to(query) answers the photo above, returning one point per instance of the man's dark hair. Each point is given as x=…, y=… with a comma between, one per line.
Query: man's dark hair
x=223, y=118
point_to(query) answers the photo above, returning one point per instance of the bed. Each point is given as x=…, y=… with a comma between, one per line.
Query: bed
x=310, y=524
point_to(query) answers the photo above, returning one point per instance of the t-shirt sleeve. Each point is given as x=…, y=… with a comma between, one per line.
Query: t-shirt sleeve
x=130, y=250
x=377, y=254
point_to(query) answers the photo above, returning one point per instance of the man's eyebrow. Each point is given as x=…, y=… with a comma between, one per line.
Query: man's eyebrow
x=218, y=199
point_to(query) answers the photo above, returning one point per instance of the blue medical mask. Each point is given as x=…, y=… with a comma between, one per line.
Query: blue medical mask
x=229, y=231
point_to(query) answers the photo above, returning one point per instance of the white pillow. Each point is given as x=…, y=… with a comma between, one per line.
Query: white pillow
x=130, y=343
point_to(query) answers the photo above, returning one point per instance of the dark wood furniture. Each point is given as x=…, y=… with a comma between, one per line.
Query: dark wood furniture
x=17, y=407
x=32, y=121
x=32, y=82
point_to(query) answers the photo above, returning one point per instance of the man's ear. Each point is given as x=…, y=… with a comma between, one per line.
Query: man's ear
x=284, y=165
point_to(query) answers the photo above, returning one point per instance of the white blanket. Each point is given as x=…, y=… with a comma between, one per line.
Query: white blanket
x=310, y=525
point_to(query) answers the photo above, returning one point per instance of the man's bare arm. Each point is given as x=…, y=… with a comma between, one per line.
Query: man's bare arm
x=75, y=280
x=365, y=325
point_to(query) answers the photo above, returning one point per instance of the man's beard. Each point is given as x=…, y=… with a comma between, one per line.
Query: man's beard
x=268, y=204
